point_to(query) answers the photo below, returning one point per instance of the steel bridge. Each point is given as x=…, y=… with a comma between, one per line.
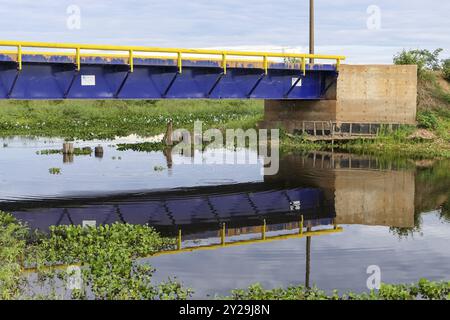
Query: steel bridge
x=34, y=70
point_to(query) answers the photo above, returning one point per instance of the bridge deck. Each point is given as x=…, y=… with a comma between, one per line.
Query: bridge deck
x=87, y=72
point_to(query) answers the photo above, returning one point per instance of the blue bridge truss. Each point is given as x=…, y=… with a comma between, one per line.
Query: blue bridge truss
x=33, y=75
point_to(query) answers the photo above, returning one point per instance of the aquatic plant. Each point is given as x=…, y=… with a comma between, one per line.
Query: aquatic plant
x=424, y=289
x=106, y=255
x=158, y=168
x=55, y=171
x=85, y=151
x=12, y=247
x=142, y=147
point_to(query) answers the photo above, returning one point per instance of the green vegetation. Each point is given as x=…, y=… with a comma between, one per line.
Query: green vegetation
x=446, y=69
x=55, y=171
x=12, y=247
x=106, y=119
x=142, y=147
x=424, y=289
x=407, y=142
x=86, y=151
x=106, y=255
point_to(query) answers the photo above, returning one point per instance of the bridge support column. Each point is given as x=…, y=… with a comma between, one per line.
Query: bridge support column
x=365, y=96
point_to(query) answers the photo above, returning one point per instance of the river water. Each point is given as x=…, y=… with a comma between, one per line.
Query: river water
x=387, y=215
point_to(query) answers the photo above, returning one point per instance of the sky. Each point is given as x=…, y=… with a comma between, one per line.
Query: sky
x=366, y=31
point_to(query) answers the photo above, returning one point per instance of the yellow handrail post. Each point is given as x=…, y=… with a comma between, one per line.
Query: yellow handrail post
x=266, y=65
x=304, y=66
x=19, y=57
x=222, y=235
x=338, y=64
x=300, y=231
x=131, y=61
x=78, y=58
x=263, y=235
x=224, y=63
x=180, y=63
x=179, y=240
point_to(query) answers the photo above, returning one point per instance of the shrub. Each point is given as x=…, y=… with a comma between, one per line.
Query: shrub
x=427, y=120
x=446, y=69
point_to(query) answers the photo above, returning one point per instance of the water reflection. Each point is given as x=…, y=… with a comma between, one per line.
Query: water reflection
x=322, y=187
x=364, y=190
x=394, y=214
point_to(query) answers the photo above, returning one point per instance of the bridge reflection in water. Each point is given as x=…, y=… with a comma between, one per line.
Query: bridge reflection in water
x=323, y=188
x=311, y=195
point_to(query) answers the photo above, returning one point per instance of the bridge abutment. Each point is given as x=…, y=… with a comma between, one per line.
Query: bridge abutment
x=364, y=98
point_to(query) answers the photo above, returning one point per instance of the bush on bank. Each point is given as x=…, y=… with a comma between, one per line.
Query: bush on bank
x=446, y=69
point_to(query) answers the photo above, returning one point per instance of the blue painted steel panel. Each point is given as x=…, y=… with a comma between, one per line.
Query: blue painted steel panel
x=55, y=77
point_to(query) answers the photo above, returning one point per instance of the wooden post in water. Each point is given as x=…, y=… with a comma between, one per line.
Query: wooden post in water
x=168, y=136
x=68, y=148
x=99, y=152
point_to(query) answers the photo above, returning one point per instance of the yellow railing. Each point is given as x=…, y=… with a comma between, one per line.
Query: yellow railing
x=263, y=239
x=224, y=243
x=133, y=50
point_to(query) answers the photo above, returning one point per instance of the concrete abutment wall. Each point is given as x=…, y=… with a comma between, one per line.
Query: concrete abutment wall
x=364, y=94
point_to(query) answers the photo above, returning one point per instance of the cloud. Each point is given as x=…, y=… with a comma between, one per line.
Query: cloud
x=340, y=25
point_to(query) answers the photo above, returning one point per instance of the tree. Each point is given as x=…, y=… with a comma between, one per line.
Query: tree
x=424, y=59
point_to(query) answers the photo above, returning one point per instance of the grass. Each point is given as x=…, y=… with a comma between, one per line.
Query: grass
x=401, y=143
x=89, y=120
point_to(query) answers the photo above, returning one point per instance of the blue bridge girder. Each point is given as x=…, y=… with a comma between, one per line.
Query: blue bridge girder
x=33, y=76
